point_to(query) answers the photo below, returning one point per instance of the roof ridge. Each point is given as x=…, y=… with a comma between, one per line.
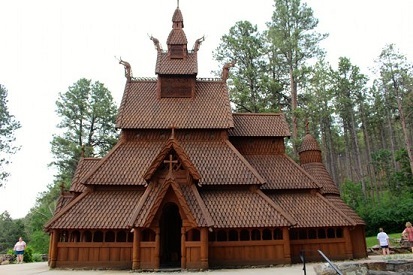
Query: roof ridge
x=139, y=206
x=245, y=161
x=201, y=203
x=277, y=207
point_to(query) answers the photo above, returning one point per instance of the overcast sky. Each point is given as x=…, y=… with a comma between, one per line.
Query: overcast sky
x=46, y=46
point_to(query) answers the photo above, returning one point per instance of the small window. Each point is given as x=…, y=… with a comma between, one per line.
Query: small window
x=193, y=235
x=293, y=234
x=222, y=236
x=75, y=236
x=211, y=237
x=98, y=236
x=233, y=235
x=63, y=236
x=121, y=236
x=321, y=233
x=148, y=235
x=302, y=234
x=109, y=236
x=331, y=234
x=312, y=234
x=278, y=234
x=245, y=235
x=339, y=233
x=87, y=236
x=256, y=235
x=267, y=234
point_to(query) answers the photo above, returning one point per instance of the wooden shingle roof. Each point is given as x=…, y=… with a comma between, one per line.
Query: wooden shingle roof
x=83, y=167
x=318, y=171
x=310, y=209
x=216, y=162
x=259, y=125
x=98, y=210
x=142, y=109
x=340, y=204
x=281, y=172
x=185, y=66
x=243, y=209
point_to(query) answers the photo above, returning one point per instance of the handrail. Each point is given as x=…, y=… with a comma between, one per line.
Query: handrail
x=329, y=262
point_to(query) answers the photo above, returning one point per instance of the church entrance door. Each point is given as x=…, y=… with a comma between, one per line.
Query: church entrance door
x=170, y=236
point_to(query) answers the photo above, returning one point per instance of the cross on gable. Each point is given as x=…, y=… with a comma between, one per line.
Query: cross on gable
x=171, y=162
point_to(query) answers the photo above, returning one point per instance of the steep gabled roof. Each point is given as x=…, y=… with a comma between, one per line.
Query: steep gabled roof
x=281, y=172
x=185, y=66
x=188, y=198
x=142, y=109
x=174, y=145
x=259, y=125
x=311, y=209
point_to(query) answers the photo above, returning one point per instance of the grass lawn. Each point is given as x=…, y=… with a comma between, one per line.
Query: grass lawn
x=394, y=239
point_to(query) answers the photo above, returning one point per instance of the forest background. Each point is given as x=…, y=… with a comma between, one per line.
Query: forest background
x=363, y=123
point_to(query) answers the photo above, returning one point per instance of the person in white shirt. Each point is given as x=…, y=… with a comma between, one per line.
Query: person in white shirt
x=19, y=248
x=383, y=241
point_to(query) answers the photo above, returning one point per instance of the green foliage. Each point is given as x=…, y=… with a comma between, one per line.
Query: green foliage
x=39, y=242
x=87, y=112
x=10, y=231
x=28, y=255
x=252, y=89
x=88, y=115
x=8, y=126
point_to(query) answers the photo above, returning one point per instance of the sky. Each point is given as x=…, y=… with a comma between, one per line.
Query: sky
x=47, y=45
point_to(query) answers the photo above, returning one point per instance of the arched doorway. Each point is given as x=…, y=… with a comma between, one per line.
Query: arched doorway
x=170, y=234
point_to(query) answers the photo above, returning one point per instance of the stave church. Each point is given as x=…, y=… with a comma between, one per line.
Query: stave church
x=192, y=185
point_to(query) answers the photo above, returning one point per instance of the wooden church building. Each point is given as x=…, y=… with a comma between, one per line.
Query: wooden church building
x=192, y=185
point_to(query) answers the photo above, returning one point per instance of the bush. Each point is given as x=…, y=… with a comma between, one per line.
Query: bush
x=28, y=255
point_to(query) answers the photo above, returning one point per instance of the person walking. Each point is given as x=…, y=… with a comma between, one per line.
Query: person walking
x=383, y=241
x=19, y=248
x=408, y=234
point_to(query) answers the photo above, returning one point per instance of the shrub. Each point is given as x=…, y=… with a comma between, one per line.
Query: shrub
x=28, y=255
x=37, y=257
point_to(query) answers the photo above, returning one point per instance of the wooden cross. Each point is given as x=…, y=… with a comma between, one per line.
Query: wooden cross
x=171, y=163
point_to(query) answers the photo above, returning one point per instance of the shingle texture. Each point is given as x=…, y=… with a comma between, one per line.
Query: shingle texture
x=100, y=210
x=241, y=208
x=340, y=204
x=83, y=167
x=171, y=66
x=310, y=210
x=259, y=125
x=216, y=161
x=309, y=144
x=318, y=171
x=281, y=172
x=141, y=109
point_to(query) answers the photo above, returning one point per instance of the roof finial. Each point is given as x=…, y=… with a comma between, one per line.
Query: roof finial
x=173, y=131
x=177, y=4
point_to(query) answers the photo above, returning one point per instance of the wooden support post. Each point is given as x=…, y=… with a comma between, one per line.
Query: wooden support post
x=287, y=245
x=53, y=256
x=349, y=246
x=136, y=250
x=183, y=248
x=50, y=248
x=157, y=248
x=204, y=248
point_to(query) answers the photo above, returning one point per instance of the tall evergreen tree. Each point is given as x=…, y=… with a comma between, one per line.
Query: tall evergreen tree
x=292, y=33
x=88, y=115
x=397, y=77
x=8, y=126
x=251, y=89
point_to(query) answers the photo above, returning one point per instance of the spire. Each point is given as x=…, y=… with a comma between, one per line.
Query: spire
x=177, y=42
